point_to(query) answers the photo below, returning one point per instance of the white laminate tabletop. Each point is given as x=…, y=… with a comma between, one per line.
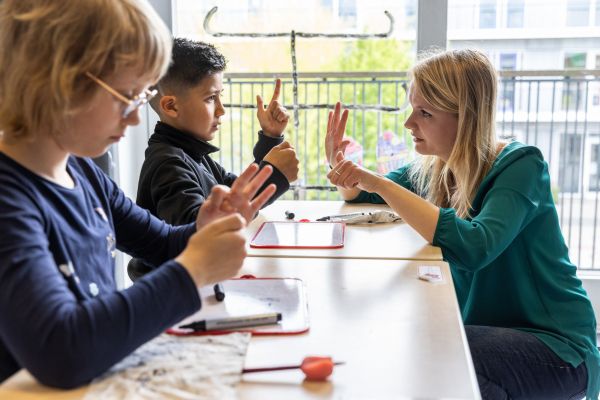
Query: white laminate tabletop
x=400, y=337
x=393, y=241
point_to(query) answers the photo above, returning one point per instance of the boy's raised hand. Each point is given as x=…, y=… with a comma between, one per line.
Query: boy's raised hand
x=334, y=139
x=275, y=117
x=283, y=157
x=240, y=199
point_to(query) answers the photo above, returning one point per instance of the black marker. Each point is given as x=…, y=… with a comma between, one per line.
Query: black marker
x=233, y=322
x=289, y=215
x=219, y=292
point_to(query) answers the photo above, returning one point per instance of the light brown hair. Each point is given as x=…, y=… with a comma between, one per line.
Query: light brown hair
x=462, y=82
x=47, y=46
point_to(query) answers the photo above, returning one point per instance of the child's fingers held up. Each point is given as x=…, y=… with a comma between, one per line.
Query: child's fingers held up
x=259, y=201
x=276, y=91
x=245, y=177
x=259, y=103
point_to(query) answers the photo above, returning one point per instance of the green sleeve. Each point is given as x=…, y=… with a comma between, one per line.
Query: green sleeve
x=399, y=176
x=507, y=207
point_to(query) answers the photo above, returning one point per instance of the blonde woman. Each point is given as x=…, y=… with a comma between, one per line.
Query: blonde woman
x=488, y=206
x=72, y=75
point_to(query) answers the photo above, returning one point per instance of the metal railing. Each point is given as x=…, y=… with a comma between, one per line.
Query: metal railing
x=557, y=111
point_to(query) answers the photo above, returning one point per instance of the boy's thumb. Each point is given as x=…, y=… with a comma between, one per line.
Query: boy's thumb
x=284, y=145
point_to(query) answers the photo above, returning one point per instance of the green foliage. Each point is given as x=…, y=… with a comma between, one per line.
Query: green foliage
x=374, y=55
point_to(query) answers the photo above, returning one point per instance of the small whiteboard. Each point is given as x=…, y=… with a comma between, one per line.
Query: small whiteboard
x=250, y=297
x=299, y=235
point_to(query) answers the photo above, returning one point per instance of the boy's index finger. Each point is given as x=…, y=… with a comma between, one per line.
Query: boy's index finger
x=276, y=91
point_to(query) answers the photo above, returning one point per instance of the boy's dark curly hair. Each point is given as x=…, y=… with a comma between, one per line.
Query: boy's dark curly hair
x=191, y=61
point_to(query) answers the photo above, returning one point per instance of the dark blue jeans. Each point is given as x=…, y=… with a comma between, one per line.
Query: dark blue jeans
x=512, y=364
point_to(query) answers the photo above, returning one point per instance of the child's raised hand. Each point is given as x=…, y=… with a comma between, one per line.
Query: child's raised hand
x=284, y=158
x=275, y=117
x=216, y=251
x=224, y=201
x=241, y=197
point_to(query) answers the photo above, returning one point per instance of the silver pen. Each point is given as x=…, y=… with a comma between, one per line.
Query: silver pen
x=340, y=216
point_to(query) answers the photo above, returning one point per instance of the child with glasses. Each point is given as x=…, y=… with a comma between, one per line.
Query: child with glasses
x=178, y=171
x=72, y=74
x=488, y=205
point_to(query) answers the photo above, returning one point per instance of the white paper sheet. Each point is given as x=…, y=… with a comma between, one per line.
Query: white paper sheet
x=172, y=367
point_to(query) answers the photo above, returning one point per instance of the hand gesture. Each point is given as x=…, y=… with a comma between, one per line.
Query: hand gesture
x=216, y=251
x=348, y=175
x=275, y=117
x=283, y=157
x=334, y=139
x=240, y=198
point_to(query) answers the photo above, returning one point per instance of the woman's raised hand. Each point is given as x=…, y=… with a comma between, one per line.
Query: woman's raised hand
x=334, y=139
x=348, y=175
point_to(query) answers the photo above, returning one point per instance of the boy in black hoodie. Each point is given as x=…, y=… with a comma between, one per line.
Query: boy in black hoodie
x=178, y=173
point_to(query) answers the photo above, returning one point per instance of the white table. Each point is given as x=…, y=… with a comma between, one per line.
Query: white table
x=399, y=336
x=393, y=241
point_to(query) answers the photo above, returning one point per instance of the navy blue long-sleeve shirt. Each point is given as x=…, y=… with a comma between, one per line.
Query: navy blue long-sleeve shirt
x=61, y=316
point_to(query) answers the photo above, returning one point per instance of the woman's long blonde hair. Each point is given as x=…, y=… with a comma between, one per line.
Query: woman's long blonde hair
x=462, y=82
x=47, y=46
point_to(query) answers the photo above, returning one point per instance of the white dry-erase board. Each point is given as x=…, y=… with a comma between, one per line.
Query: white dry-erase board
x=245, y=297
x=299, y=235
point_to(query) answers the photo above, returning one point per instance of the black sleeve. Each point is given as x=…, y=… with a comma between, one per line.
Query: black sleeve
x=261, y=148
x=176, y=192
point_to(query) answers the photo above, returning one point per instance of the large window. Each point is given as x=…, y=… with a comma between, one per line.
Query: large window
x=507, y=62
x=573, y=93
x=578, y=12
x=594, y=174
x=515, y=12
x=487, y=14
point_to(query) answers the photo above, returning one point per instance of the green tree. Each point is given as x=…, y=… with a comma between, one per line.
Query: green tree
x=374, y=55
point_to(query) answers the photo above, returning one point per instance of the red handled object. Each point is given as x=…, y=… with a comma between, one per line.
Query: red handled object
x=315, y=368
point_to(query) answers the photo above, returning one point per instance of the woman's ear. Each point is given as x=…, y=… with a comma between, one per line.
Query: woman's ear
x=168, y=106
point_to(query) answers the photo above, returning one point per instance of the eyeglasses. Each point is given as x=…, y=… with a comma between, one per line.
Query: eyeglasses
x=132, y=104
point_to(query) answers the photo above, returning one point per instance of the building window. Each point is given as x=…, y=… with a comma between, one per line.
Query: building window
x=575, y=60
x=573, y=96
x=255, y=5
x=508, y=62
x=570, y=163
x=597, y=12
x=347, y=9
x=595, y=153
x=594, y=182
x=487, y=14
x=515, y=11
x=578, y=12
